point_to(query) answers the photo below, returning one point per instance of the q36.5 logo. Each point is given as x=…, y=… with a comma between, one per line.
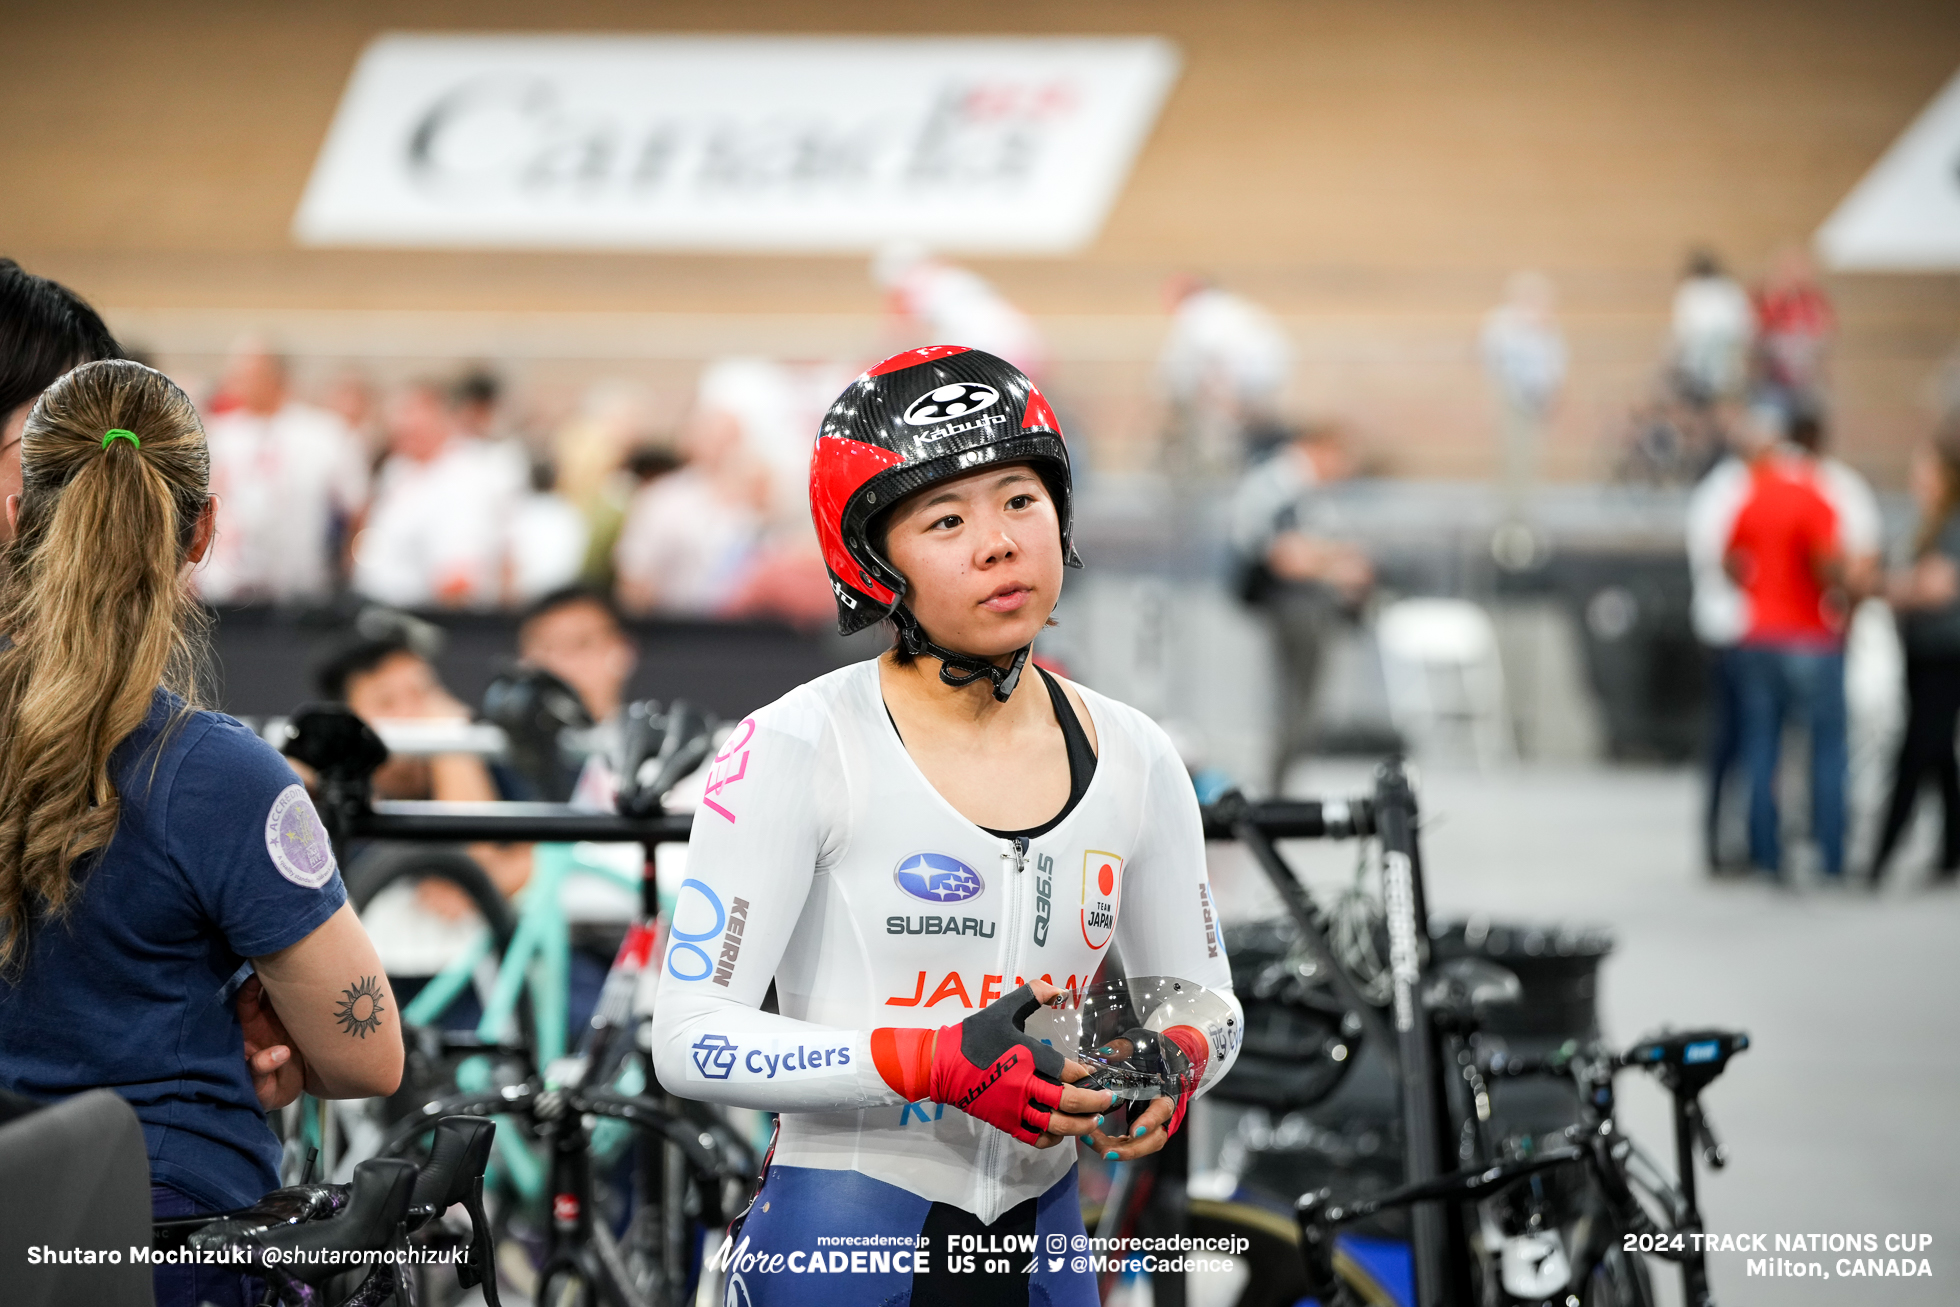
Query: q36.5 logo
x=938, y=878
x=956, y=400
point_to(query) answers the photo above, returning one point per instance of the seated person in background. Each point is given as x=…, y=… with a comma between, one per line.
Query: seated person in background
x=575, y=634
x=438, y=525
x=386, y=680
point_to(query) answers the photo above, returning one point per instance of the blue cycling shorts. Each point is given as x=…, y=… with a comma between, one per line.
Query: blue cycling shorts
x=819, y=1238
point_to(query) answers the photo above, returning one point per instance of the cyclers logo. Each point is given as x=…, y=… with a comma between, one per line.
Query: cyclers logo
x=717, y=1057
x=948, y=402
x=1044, y=887
x=938, y=878
x=714, y=1057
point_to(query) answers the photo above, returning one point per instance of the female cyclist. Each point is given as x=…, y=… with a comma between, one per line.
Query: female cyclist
x=153, y=856
x=915, y=849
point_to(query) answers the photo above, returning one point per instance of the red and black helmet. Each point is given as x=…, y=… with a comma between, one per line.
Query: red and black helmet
x=919, y=418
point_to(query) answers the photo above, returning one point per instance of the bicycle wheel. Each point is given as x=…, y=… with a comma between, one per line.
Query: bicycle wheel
x=565, y=1286
x=388, y=863
x=1620, y=1280
x=1272, y=1253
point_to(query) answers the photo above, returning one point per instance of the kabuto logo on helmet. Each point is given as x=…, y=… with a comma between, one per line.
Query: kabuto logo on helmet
x=947, y=402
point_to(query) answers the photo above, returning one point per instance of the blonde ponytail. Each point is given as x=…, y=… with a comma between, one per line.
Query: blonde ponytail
x=97, y=615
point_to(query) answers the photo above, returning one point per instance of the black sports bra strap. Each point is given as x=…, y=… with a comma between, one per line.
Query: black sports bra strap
x=1081, y=757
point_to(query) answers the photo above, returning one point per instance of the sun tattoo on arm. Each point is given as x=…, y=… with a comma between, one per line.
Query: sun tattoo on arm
x=360, y=1007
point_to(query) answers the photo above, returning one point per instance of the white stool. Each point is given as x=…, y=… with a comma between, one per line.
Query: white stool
x=1445, y=681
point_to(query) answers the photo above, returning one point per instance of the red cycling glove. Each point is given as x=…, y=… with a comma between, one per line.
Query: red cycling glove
x=986, y=1066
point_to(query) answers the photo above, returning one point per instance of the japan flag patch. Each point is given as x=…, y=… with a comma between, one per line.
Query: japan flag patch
x=1102, y=891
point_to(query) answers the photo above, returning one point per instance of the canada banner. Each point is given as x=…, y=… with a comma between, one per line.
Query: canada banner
x=813, y=143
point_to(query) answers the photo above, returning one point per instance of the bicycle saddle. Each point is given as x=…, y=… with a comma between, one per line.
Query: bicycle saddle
x=534, y=707
x=372, y=1221
x=1464, y=988
x=1688, y=1060
x=330, y=739
x=660, y=747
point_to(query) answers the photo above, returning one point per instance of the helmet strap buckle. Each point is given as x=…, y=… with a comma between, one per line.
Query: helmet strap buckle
x=957, y=669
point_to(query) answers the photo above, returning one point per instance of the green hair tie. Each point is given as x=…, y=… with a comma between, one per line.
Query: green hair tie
x=119, y=434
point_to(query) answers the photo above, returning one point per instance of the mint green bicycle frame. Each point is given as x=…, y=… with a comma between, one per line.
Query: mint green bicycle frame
x=538, y=962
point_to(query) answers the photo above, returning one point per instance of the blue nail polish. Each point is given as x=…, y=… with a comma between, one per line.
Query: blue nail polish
x=1142, y=1130
x=1111, y=1155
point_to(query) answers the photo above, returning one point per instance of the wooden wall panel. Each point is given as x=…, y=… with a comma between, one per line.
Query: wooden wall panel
x=1371, y=171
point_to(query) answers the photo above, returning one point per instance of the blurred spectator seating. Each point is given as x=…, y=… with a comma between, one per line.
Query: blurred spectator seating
x=290, y=479
x=1795, y=322
x=436, y=535
x=689, y=536
x=1713, y=327
x=548, y=541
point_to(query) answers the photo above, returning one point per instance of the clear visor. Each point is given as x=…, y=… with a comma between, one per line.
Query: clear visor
x=1142, y=1037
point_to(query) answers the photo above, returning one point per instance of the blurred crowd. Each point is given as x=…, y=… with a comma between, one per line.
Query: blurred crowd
x=436, y=496
x=439, y=494
x=1731, y=344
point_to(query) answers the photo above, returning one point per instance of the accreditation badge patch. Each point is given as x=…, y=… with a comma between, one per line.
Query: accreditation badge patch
x=296, y=841
x=1102, y=890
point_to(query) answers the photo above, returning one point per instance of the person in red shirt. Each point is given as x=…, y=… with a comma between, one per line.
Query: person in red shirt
x=1786, y=552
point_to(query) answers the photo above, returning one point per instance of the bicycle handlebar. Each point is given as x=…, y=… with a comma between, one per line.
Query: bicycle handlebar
x=318, y=1250
x=1333, y=819
x=1290, y=819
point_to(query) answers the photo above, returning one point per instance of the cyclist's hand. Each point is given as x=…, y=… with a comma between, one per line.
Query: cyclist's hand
x=991, y=1069
x=1081, y=1108
x=1152, y=1128
x=1147, y=1132
x=278, y=1071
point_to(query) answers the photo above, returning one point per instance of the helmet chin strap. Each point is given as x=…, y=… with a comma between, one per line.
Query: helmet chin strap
x=957, y=669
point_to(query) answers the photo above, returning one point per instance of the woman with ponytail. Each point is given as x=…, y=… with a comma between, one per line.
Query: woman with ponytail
x=155, y=856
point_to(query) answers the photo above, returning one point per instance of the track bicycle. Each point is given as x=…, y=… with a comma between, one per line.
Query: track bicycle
x=626, y=1182
x=1445, y=1083
x=1570, y=1241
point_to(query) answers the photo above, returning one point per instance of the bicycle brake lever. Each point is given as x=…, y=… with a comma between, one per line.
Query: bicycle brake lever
x=481, y=1268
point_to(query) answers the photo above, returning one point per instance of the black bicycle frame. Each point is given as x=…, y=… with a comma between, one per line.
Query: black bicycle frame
x=1389, y=815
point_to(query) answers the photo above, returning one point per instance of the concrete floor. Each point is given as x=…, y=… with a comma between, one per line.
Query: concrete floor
x=1842, y=1116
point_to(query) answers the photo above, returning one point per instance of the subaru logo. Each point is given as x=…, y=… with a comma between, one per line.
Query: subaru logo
x=714, y=1056
x=937, y=878
x=949, y=402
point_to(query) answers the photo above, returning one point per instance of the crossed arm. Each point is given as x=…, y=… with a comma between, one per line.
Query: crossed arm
x=320, y=1016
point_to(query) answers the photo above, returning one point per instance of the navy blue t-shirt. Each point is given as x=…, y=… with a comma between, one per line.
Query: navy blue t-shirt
x=218, y=857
